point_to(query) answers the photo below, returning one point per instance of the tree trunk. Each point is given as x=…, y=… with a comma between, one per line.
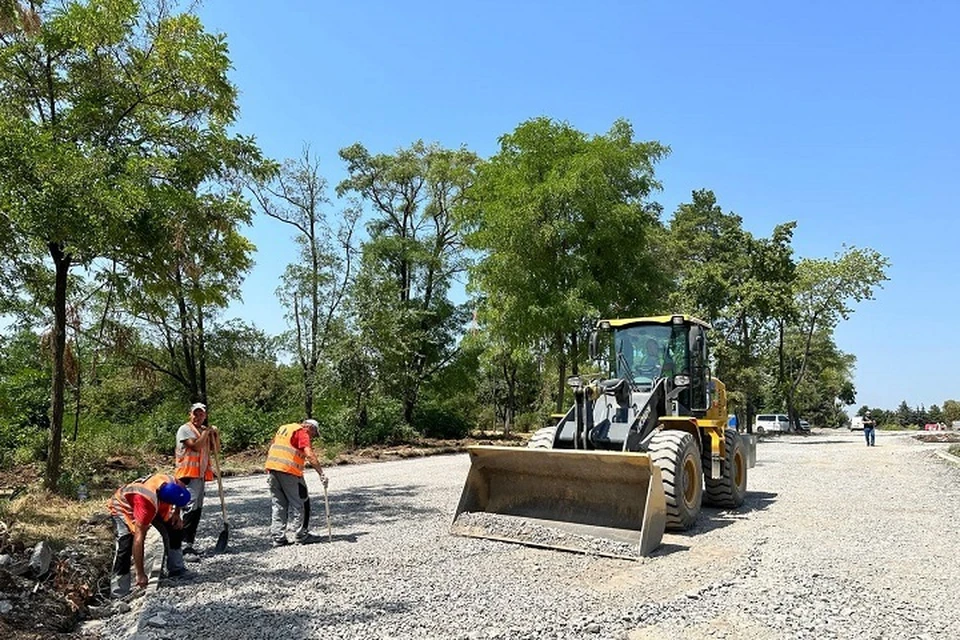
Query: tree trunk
x=61, y=263
x=201, y=352
x=308, y=377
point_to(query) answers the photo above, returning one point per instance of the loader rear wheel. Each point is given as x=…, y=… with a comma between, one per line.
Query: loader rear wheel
x=678, y=457
x=730, y=489
x=542, y=438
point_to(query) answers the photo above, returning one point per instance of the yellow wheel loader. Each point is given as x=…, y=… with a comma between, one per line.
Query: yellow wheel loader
x=636, y=454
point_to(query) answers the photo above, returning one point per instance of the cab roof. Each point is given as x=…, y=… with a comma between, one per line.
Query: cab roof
x=620, y=323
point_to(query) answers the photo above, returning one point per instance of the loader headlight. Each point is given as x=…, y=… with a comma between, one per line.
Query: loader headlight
x=681, y=381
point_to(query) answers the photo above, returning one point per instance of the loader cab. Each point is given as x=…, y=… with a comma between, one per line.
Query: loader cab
x=670, y=348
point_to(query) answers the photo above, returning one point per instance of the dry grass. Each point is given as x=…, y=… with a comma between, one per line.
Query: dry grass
x=954, y=449
x=43, y=515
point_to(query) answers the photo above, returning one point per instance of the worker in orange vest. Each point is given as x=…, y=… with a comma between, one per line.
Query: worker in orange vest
x=195, y=441
x=152, y=500
x=289, y=500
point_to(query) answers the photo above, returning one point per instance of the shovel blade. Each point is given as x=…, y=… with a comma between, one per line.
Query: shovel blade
x=222, y=540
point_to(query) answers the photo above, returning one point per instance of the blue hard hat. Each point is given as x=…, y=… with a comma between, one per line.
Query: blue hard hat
x=173, y=493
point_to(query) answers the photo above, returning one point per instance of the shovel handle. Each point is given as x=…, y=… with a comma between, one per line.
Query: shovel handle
x=326, y=504
x=216, y=466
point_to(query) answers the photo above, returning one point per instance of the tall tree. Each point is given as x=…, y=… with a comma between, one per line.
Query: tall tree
x=736, y=282
x=314, y=287
x=564, y=227
x=93, y=95
x=401, y=299
x=825, y=292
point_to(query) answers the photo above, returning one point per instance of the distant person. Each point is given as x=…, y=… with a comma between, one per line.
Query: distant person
x=152, y=500
x=289, y=500
x=195, y=441
x=869, y=429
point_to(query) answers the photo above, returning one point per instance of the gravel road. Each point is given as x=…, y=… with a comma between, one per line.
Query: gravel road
x=836, y=540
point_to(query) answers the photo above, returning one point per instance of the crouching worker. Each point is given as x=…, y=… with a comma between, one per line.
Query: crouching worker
x=289, y=500
x=156, y=500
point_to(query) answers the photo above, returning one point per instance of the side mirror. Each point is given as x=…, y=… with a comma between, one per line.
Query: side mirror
x=594, y=345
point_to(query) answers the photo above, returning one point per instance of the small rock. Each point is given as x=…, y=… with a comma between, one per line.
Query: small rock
x=92, y=628
x=40, y=559
x=121, y=607
x=5, y=606
x=157, y=621
x=593, y=627
x=5, y=560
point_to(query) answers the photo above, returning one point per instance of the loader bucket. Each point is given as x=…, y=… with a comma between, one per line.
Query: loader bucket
x=599, y=502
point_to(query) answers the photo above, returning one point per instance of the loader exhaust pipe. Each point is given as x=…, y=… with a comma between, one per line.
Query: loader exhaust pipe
x=600, y=502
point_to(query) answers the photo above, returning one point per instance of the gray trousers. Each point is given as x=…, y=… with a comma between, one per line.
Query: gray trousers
x=289, y=503
x=191, y=513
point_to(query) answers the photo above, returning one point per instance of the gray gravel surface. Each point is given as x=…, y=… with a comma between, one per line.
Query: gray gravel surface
x=836, y=540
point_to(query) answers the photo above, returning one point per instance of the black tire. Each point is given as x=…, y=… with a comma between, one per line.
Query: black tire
x=542, y=438
x=730, y=489
x=677, y=455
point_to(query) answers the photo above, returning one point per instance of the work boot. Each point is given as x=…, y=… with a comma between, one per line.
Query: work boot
x=308, y=538
x=120, y=585
x=280, y=542
x=190, y=554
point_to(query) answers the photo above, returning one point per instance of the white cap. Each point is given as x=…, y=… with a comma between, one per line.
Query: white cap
x=310, y=422
x=198, y=405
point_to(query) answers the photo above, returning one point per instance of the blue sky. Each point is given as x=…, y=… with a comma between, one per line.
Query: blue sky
x=839, y=115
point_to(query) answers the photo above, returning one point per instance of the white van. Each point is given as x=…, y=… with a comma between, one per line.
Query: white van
x=771, y=422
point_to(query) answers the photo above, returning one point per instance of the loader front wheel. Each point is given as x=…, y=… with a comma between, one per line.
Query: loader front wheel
x=542, y=438
x=730, y=489
x=676, y=453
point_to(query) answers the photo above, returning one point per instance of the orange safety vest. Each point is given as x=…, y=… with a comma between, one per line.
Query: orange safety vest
x=146, y=487
x=283, y=456
x=190, y=461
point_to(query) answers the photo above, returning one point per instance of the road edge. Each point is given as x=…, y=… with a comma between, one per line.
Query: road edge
x=949, y=457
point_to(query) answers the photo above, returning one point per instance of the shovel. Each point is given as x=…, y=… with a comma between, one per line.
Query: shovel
x=224, y=533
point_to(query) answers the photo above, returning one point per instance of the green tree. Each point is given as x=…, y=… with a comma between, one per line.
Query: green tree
x=935, y=413
x=314, y=287
x=825, y=292
x=565, y=232
x=951, y=411
x=735, y=281
x=904, y=414
x=99, y=100
x=401, y=302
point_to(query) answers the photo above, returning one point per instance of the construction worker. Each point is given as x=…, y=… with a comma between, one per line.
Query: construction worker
x=195, y=441
x=289, y=500
x=155, y=500
x=869, y=429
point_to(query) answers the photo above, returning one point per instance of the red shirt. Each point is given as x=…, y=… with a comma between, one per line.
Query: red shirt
x=300, y=438
x=143, y=510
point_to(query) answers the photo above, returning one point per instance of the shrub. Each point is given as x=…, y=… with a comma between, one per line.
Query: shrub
x=440, y=422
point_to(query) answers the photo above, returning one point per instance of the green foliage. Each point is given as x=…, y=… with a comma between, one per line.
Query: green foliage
x=114, y=118
x=314, y=287
x=565, y=233
x=241, y=427
x=440, y=422
x=399, y=303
